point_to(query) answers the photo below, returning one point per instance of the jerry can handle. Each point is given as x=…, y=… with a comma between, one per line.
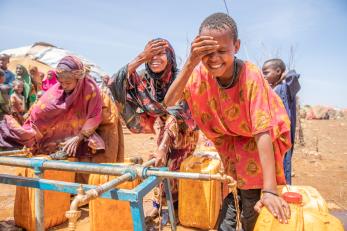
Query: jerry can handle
x=203, y=159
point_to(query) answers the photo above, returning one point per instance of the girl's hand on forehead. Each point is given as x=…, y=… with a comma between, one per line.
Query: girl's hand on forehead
x=154, y=47
x=201, y=46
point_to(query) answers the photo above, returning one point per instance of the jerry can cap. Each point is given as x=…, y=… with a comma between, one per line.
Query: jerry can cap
x=292, y=197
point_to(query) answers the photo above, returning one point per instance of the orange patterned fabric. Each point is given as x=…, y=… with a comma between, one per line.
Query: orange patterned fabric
x=232, y=117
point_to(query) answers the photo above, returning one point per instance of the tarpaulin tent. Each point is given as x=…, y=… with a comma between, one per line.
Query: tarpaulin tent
x=319, y=112
x=46, y=56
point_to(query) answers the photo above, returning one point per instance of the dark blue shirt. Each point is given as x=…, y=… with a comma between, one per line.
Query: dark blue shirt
x=287, y=90
x=9, y=77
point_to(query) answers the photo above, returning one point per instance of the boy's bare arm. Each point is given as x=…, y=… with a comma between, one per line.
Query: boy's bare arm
x=267, y=159
x=275, y=204
x=201, y=46
x=177, y=87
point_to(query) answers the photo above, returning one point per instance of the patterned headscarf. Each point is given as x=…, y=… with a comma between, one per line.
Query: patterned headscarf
x=171, y=66
x=70, y=66
x=160, y=82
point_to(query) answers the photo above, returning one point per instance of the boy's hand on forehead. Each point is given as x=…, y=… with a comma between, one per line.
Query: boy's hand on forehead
x=201, y=46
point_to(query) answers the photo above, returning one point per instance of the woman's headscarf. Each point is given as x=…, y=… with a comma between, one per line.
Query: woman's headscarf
x=26, y=79
x=30, y=98
x=36, y=77
x=161, y=82
x=48, y=83
x=70, y=66
x=171, y=66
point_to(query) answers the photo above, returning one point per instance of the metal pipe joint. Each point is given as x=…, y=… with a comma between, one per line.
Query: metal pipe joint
x=80, y=199
x=37, y=165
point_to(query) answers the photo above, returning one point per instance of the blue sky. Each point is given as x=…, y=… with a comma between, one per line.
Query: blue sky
x=111, y=33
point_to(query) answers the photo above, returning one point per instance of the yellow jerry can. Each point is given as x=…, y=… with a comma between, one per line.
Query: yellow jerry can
x=107, y=214
x=309, y=212
x=199, y=202
x=55, y=203
x=311, y=198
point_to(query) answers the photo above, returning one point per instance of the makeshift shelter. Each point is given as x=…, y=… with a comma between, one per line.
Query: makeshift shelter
x=46, y=56
x=318, y=112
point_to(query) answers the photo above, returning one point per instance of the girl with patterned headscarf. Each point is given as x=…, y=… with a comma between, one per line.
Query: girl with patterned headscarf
x=140, y=95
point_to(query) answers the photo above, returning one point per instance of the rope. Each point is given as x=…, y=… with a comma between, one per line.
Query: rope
x=160, y=207
x=233, y=188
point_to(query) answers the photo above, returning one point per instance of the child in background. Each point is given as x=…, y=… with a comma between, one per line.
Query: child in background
x=4, y=96
x=9, y=76
x=104, y=86
x=49, y=80
x=29, y=90
x=237, y=110
x=286, y=85
x=36, y=77
x=17, y=101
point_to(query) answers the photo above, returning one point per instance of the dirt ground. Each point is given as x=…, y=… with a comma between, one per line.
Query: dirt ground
x=319, y=163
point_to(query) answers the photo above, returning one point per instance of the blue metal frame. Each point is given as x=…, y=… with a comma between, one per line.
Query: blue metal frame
x=134, y=196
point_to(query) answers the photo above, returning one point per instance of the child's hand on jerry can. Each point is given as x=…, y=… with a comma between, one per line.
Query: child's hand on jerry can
x=276, y=205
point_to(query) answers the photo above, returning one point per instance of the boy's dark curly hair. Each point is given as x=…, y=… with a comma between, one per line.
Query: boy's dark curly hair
x=220, y=21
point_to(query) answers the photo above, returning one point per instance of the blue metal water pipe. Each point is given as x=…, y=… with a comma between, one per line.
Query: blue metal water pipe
x=152, y=177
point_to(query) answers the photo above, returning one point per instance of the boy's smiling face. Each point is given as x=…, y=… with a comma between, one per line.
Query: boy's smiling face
x=220, y=63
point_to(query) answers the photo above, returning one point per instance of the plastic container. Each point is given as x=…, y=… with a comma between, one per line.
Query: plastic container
x=312, y=200
x=107, y=214
x=317, y=221
x=309, y=212
x=199, y=202
x=266, y=222
x=55, y=203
